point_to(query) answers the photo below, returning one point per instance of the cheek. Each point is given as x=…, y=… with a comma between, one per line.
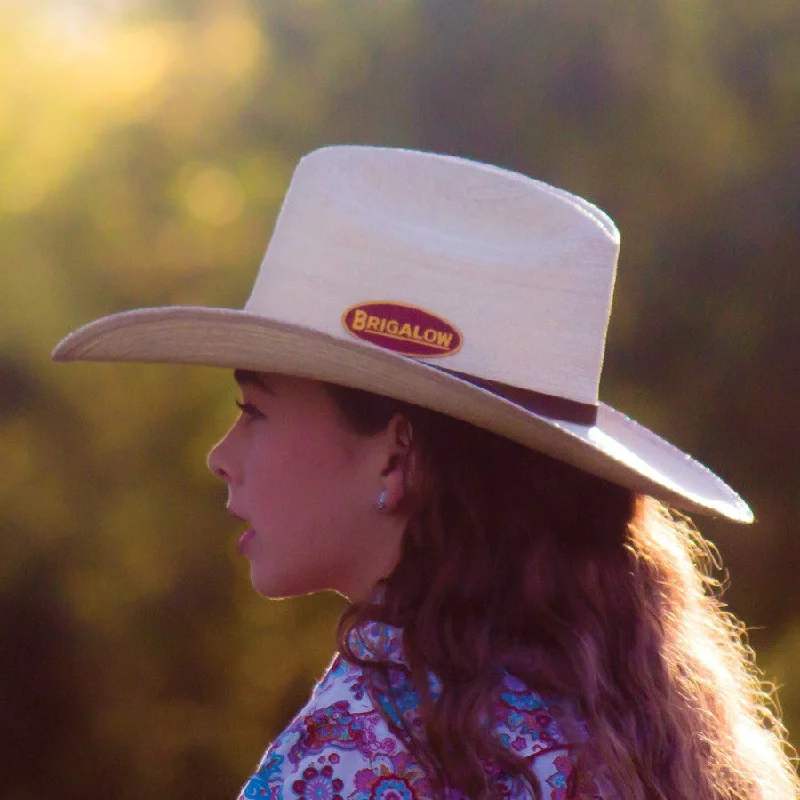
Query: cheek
x=304, y=485
x=297, y=485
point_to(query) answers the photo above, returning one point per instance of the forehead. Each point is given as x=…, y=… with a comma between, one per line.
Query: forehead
x=292, y=400
x=284, y=389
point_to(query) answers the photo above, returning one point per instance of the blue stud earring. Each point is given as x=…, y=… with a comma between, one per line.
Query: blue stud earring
x=382, y=500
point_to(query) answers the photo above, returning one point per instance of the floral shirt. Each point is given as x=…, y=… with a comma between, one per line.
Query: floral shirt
x=340, y=747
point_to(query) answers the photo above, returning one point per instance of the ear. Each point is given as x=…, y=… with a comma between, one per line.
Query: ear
x=397, y=459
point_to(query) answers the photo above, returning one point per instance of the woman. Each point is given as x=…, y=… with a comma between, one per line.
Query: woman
x=527, y=617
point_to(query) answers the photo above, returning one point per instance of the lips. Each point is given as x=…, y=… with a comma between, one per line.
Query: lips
x=246, y=536
x=241, y=545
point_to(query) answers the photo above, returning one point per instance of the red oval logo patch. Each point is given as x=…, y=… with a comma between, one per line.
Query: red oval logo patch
x=404, y=329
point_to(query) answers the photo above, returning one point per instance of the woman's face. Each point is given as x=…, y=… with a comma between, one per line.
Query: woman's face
x=307, y=487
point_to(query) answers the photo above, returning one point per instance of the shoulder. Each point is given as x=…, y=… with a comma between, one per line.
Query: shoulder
x=548, y=733
x=338, y=746
x=529, y=723
x=343, y=744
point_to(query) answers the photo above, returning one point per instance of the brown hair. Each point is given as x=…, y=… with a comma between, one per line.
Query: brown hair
x=516, y=561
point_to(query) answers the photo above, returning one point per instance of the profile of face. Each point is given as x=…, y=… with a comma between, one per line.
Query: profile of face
x=308, y=488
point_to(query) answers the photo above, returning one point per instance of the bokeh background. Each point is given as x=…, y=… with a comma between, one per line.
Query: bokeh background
x=144, y=149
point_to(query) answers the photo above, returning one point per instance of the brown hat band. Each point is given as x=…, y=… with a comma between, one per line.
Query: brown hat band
x=545, y=405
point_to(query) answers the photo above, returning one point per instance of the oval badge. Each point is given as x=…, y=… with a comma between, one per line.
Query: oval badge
x=404, y=329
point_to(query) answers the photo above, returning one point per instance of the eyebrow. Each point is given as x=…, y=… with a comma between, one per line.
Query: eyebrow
x=247, y=376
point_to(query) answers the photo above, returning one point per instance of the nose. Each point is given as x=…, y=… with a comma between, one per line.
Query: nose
x=218, y=461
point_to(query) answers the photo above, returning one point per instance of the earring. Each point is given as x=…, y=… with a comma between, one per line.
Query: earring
x=381, y=504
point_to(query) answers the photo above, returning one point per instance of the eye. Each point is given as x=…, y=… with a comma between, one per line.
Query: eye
x=249, y=410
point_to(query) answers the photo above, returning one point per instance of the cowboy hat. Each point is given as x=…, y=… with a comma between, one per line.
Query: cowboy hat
x=458, y=286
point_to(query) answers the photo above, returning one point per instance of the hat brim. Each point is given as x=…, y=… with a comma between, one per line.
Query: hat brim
x=615, y=448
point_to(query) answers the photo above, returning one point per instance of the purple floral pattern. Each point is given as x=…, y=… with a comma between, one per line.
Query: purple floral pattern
x=391, y=778
x=584, y=787
x=340, y=746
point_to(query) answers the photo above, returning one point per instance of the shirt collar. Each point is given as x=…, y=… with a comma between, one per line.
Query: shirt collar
x=377, y=641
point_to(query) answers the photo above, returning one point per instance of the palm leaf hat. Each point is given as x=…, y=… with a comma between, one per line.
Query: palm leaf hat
x=462, y=287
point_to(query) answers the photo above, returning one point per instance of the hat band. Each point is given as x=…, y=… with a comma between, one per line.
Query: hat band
x=545, y=405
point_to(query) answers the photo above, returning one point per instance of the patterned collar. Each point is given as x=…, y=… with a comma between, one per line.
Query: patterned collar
x=378, y=641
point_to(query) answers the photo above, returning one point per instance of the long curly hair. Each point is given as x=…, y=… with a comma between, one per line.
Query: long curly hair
x=515, y=561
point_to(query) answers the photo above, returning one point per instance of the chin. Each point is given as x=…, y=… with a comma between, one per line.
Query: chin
x=273, y=588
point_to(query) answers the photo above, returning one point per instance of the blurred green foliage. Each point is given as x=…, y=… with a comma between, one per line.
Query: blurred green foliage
x=144, y=149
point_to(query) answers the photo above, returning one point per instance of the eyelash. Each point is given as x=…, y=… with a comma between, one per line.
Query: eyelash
x=249, y=410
